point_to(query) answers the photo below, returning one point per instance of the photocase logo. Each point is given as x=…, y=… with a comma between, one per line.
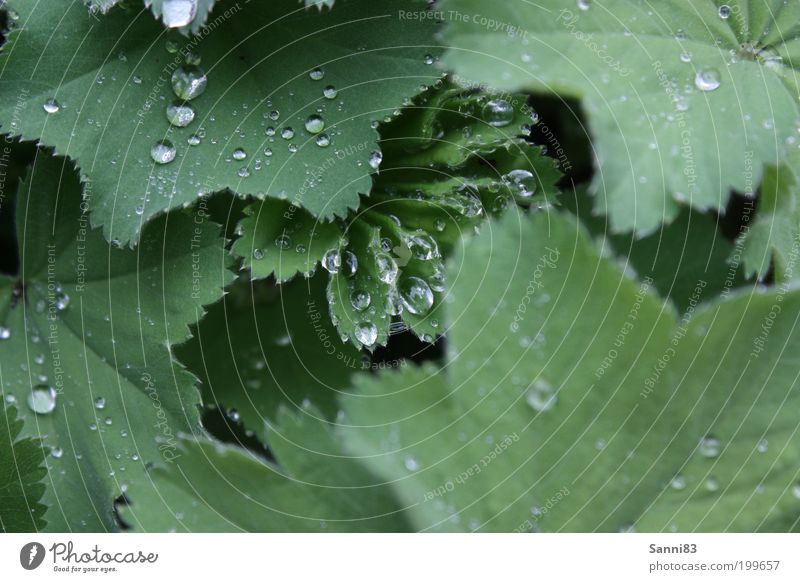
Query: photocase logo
x=31, y=555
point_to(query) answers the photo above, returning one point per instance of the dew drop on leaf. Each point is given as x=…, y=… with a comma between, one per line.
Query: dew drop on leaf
x=42, y=399
x=330, y=92
x=287, y=133
x=163, y=152
x=724, y=12
x=522, y=182
x=375, y=159
x=51, y=106
x=360, y=300
x=331, y=261
x=416, y=295
x=541, y=396
x=498, y=113
x=366, y=333
x=678, y=482
x=57, y=453
x=239, y=154
x=317, y=74
x=323, y=140
x=99, y=403
x=709, y=447
x=350, y=264
x=707, y=80
x=180, y=114
x=387, y=268
x=178, y=13
x=283, y=242
x=189, y=82
x=315, y=124
x=5, y=333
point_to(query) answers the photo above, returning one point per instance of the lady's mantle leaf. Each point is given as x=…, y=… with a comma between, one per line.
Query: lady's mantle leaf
x=90, y=330
x=685, y=100
x=21, y=474
x=101, y=92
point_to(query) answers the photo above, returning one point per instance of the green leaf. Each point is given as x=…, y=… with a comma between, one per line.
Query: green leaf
x=313, y=487
x=91, y=333
x=264, y=346
x=21, y=474
x=772, y=240
x=111, y=82
x=645, y=73
x=680, y=258
x=452, y=158
x=571, y=399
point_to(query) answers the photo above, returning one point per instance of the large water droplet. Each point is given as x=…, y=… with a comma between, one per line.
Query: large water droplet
x=350, y=264
x=99, y=403
x=387, y=268
x=375, y=159
x=724, y=12
x=189, y=82
x=522, y=182
x=707, y=79
x=180, y=114
x=315, y=124
x=42, y=399
x=422, y=245
x=417, y=296
x=331, y=261
x=323, y=140
x=239, y=154
x=51, y=106
x=360, y=300
x=178, y=13
x=498, y=113
x=366, y=333
x=330, y=92
x=287, y=133
x=541, y=396
x=317, y=74
x=163, y=152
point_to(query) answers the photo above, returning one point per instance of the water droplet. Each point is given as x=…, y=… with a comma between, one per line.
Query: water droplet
x=707, y=80
x=189, y=82
x=317, y=74
x=584, y=4
x=387, y=268
x=193, y=140
x=498, y=113
x=99, y=403
x=439, y=225
x=258, y=254
x=422, y=245
x=523, y=182
x=330, y=92
x=724, y=11
x=541, y=396
x=42, y=399
x=350, y=264
x=416, y=295
x=411, y=463
x=239, y=154
x=192, y=58
x=243, y=172
x=292, y=148
x=796, y=490
x=428, y=59
x=163, y=152
x=375, y=159
x=678, y=482
x=180, y=114
x=360, y=300
x=287, y=133
x=283, y=242
x=686, y=57
x=323, y=140
x=366, y=333
x=331, y=261
x=712, y=484
x=5, y=333
x=709, y=447
x=763, y=445
x=51, y=106
x=178, y=13
x=62, y=300
x=315, y=124
x=57, y=453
